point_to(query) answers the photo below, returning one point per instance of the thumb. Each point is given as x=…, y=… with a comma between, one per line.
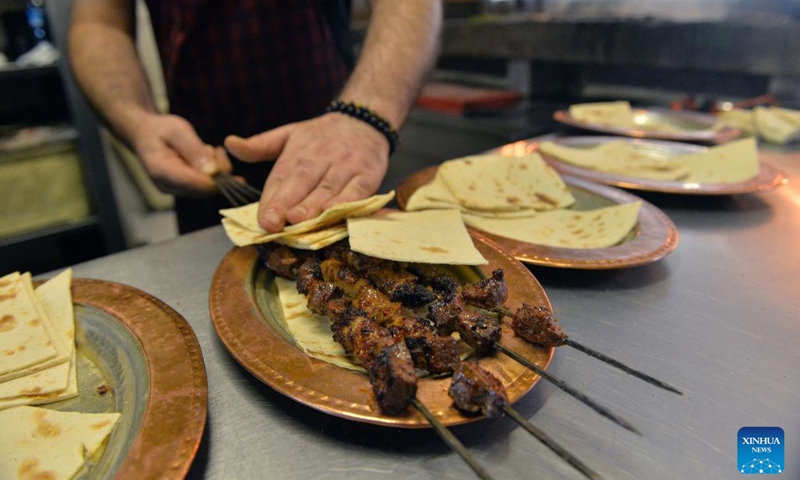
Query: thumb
x=264, y=146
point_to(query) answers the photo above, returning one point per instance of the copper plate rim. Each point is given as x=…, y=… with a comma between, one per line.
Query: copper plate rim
x=768, y=176
x=656, y=236
x=277, y=362
x=177, y=403
x=721, y=135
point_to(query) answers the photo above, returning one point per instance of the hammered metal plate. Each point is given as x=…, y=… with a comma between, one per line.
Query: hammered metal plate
x=654, y=238
x=139, y=357
x=694, y=126
x=247, y=318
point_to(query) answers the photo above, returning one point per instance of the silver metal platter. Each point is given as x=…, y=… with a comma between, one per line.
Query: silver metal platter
x=768, y=177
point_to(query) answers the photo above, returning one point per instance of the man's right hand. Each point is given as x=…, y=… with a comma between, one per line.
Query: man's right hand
x=174, y=156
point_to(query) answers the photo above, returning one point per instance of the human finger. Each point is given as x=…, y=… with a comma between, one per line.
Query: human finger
x=263, y=146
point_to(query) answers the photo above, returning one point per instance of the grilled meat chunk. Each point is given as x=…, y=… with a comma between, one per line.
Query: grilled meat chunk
x=474, y=389
x=487, y=293
x=538, y=325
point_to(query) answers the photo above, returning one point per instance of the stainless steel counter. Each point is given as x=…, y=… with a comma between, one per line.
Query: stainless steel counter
x=718, y=318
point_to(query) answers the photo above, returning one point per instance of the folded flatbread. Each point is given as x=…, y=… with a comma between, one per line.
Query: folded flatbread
x=241, y=223
x=28, y=342
x=598, y=228
x=38, y=443
x=619, y=158
x=732, y=162
x=58, y=382
x=430, y=236
x=502, y=183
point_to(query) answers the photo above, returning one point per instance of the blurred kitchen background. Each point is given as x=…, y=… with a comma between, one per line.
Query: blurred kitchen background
x=70, y=192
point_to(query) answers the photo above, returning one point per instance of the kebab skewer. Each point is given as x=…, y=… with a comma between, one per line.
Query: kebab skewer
x=385, y=356
x=330, y=288
x=475, y=389
x=449, y=311
x=535, y=324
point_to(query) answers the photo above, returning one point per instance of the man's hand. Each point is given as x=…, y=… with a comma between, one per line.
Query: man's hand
x=320, y=162
x=174, y=156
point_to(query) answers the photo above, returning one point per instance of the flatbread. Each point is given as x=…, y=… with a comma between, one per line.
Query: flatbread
x=315, y=240
x=618, y=114
x=740, y=119
x=732, y=162
x=241, y=223
x=26, y=345
x=619, y=158
x=598, y=228
x=38, y=443
x=430, y=236
x=58, y=382
x=502, y=183
x=777, y=125
x=311, y=332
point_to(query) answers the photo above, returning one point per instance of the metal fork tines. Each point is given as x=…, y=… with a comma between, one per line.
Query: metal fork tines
x=236, y=191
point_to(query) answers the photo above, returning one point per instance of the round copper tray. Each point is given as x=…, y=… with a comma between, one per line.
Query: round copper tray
x=150, y=360
x=697, y=127
x=655, y=236
x=246, y=329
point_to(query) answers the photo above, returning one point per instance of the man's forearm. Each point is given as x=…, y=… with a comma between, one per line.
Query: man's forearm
x=103, y=58
x=400, y=49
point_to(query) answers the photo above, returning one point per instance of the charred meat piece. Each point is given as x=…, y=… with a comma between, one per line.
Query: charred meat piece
x=444, y=313
x=282, y=260
x=474, y=389
x=487, y=293
x=479, y=331
x=538, y=325
x=334, y=270
x=431, y=352
x=387, y=360
x=308, y=273
x=411, y=294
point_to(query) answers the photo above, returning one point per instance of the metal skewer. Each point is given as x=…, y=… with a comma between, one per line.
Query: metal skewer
x=604, y=358
x=551, y=444
x=451, y=440
x=567, y=388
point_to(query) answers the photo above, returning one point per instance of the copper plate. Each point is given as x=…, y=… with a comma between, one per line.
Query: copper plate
x=695, y=127
x=137, y=356
x=768, y=177
x=655, y=236
x=244, y=311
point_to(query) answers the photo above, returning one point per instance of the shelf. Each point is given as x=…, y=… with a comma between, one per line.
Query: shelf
x=60, y=229
x=11, y=73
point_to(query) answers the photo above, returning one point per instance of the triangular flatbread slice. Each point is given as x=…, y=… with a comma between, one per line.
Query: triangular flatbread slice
x=415, y=237
x=598, y=228
x=619, y=158
x=732, y=162
x=60, y=381
x=41, y=443
x=503, y=183
x=26, y=342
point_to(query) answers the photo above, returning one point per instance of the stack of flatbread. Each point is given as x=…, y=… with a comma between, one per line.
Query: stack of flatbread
x=773, y=124
x=425, y=237
x=241, y=224
x=523, y=199
x=732, y=162
x=37, y=347
x=38, y=366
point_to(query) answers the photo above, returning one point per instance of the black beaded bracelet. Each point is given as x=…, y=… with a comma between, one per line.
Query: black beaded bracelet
x=368, y=116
